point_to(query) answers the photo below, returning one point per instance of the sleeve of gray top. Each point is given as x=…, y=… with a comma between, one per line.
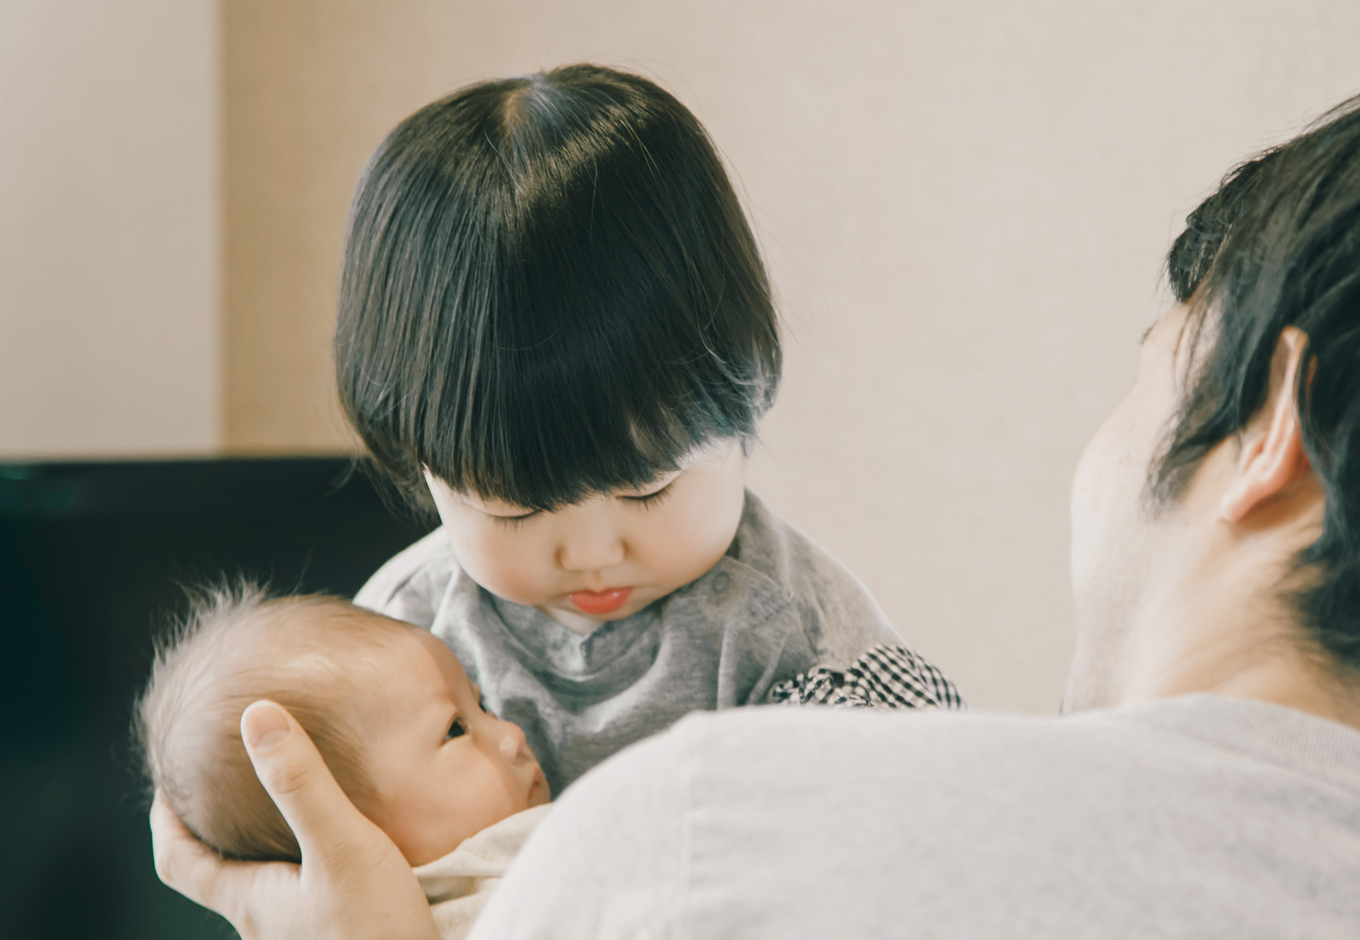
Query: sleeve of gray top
x=608, y=861
x=409, y=585
x=842, y=619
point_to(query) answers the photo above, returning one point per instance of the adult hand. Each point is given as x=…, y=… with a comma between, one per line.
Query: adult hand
x=352, y=884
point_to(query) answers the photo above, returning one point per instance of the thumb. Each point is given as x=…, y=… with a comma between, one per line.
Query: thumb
x=289, y=766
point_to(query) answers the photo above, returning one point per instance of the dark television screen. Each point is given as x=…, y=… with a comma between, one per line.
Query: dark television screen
x=92, y=559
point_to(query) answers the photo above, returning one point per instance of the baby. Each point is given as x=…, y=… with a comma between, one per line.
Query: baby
x=391, y=711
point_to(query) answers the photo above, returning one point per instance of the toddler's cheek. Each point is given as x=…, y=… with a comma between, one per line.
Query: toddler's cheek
x=512, y=582
x=694, y=547
x=501, y=569
x=679, y=560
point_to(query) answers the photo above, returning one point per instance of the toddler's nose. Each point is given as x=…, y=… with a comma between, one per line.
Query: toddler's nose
x=591, y=549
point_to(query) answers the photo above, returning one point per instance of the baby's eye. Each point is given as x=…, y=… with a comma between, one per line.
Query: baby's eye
x=457, y=729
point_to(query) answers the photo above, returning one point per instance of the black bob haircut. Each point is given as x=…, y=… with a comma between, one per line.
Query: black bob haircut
x=1279, y=246
x=550, y=291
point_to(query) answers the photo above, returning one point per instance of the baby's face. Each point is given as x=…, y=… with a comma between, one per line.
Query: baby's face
x=442, y=768
x=605, y=558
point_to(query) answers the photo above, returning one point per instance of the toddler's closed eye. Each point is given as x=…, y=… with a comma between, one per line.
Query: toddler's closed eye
x=651, y=499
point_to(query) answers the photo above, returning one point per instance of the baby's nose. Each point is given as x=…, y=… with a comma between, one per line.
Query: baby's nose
x=512, y=741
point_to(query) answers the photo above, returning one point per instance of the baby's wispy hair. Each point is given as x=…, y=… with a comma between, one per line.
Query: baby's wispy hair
x=233, y=646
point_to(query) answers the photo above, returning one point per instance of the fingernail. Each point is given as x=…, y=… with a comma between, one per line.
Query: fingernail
x=263, y=725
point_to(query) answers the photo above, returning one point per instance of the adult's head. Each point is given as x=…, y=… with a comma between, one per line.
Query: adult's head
x=1216, y=514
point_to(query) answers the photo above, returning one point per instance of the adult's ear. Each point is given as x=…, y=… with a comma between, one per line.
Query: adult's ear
x=1272, y=454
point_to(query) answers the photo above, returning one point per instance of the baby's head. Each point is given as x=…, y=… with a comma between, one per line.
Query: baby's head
x=389, y=707
x=552, y=302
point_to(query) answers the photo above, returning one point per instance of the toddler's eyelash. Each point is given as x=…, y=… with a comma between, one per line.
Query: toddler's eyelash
x=652, y=499
x=512, y=522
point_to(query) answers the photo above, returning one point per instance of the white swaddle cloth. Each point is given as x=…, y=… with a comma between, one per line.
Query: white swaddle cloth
x=458, y=884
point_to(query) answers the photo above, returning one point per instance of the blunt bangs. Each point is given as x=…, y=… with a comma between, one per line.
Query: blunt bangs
x=550, y=291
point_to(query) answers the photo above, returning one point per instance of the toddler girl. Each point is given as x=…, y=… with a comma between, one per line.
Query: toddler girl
x=555, y=329
x=390, y=710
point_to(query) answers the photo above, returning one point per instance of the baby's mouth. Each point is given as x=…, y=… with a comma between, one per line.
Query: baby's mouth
x=539, y=786
x=596, y=603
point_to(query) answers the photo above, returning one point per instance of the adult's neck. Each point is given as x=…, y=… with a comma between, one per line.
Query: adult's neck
x=1218, y=617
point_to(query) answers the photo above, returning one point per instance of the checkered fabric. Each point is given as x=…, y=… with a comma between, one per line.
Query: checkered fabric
x=884, y=677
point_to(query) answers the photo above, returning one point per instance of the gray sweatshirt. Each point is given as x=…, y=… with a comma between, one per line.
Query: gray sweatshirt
x=1195, y=817
x=774, y=606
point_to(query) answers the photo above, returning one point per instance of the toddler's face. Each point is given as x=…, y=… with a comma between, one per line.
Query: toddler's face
x=605, y=558
x=442, y=768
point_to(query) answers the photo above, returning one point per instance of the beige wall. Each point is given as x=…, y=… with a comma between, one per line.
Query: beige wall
x=108, y=227
x=964, y=207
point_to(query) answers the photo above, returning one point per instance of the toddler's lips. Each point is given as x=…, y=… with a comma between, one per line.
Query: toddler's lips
x=600, y=602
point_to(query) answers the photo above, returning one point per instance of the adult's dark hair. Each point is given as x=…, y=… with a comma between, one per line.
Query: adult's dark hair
x=1290, y=257
x=549, y=291
x=1193, y=252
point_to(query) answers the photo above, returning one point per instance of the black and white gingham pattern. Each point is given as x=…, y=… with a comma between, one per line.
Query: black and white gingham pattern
x=884, y=677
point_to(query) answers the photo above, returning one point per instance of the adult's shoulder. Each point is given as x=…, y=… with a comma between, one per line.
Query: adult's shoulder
x=655, y=840
x=410, y=584
x=805, y=822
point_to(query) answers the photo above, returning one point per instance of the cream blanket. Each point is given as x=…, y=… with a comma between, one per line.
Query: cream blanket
x=458, y=884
